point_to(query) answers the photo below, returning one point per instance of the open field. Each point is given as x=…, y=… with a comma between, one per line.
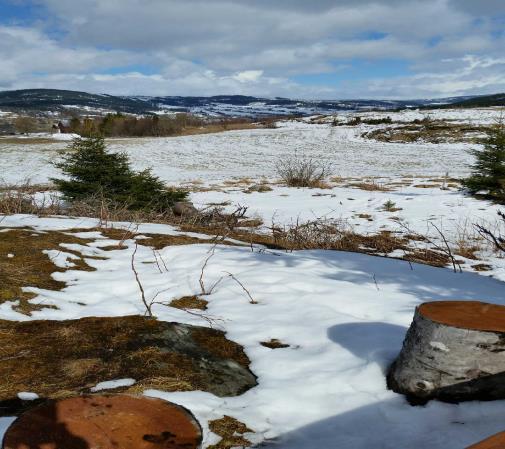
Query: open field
x=251, y=153
x=318, y=328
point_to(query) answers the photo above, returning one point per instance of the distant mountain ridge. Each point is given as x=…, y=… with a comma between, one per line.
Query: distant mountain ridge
x=482, y=101
x=50, y=99
x=47, y=100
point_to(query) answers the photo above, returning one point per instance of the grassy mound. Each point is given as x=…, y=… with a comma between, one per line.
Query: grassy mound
x=56, y=359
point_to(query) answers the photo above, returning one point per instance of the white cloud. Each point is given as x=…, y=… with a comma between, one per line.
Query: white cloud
x=248, y=76
x=202, y=47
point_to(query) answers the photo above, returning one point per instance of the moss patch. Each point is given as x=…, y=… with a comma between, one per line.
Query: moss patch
x=64, y=358
x=23, y=263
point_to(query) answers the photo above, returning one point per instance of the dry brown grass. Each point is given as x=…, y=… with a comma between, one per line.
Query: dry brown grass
x=369, y=186
x=427, y=186
x=189, y=303
x=155, y=241
x=482, y=267
x=335, y=236
x=367, y=217
x=214, y=342
x=27, y=188
x=318, y=234
x=340, y=236
x=29, y=266
x=214, y=128
x=467, y=249
x=428, y=257
x=55, y=358
x=20, y=200
x=274, y=344
x=231, y=432
x=27, y=140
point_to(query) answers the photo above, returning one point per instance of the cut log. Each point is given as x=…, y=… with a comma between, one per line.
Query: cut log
x=494, y=442
x=106, y=422
x=454, y=351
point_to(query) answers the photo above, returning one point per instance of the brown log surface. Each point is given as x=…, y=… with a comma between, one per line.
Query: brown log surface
x=473, y=315
x=107, y=422
x=494, y=442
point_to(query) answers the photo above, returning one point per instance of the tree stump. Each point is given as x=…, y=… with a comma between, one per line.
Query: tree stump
x=106, y=422
x=494, y=442
x=454, y=351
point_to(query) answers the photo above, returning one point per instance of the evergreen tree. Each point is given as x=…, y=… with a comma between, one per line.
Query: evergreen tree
x=488, y=172
x=92, y=172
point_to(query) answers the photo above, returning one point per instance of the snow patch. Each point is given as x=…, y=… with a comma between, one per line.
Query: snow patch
x=111, y=384
x=27, y=396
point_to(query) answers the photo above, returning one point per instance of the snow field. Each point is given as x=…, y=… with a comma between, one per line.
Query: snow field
x=344, y=329
x=343, y=315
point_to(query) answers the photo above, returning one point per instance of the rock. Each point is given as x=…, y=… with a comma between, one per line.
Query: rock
x=56, y=359
x=454, y=351
x=106, y=422
x=184, y=208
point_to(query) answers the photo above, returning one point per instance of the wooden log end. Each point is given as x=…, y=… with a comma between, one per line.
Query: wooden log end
x=495, y=442
x=109, y=421
x=472, y=315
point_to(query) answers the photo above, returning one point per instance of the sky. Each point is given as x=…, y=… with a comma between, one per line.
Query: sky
x=310, y=49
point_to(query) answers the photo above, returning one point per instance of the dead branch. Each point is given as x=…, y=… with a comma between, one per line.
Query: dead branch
x=141, y=288
x=447, y=250
x=251, y=300
x=497, y=240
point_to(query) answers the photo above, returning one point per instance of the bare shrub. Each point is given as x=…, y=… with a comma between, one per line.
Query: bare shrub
x=22, y=200
x=334, y=235
x=107, y=211
x=303, y=172
x=25, y=124
x=494, y=237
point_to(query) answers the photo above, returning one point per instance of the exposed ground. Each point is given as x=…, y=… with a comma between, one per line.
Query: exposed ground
x=66, y=358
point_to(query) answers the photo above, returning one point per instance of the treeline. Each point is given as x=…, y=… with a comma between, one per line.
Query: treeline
x=119, y=125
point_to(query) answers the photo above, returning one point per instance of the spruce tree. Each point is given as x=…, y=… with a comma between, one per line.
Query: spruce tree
x=488, y=171
x=91, y=173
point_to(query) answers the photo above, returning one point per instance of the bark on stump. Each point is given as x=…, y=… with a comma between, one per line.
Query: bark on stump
x=454, y=351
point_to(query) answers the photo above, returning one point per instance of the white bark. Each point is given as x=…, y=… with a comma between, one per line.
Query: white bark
x=449, y=363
